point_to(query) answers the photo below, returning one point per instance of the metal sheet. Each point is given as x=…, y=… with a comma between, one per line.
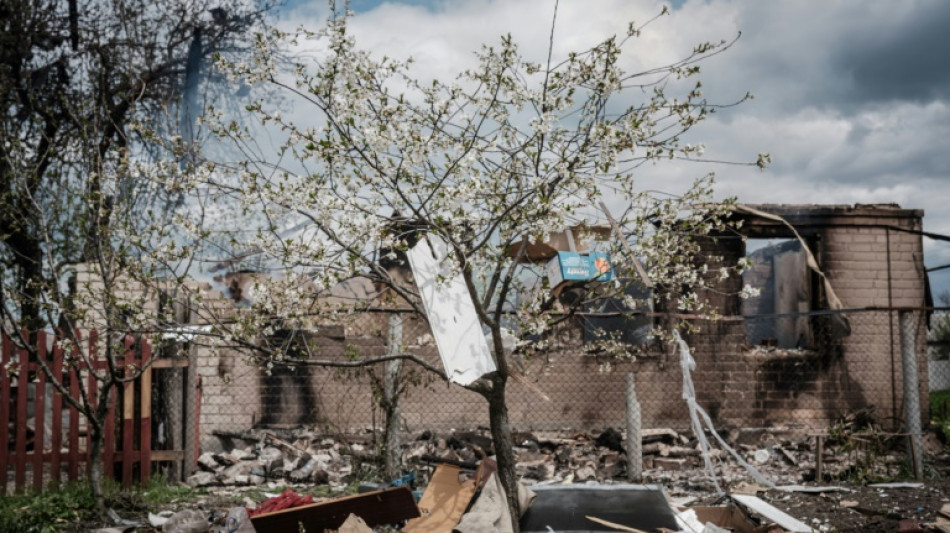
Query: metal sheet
x=458, y=332
x=565, y=508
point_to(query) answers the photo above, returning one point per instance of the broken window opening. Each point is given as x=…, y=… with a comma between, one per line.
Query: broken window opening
x=624, y=318
x=780, y=315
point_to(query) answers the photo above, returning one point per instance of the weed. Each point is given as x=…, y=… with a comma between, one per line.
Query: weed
x=53, y=510
x=940, y=412
x=73, y=504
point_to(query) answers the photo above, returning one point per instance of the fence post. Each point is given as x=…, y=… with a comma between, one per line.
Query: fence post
x=908, y=336
x=634, y=440
x=391, y=397
x=191, y=413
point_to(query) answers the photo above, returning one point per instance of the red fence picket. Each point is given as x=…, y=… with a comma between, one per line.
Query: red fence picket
x=129, y=444
x=6, y=348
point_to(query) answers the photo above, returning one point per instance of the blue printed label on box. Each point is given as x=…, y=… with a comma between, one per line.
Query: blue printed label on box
x=574, y=266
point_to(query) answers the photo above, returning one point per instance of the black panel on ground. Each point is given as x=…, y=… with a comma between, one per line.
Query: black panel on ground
x=565, y=507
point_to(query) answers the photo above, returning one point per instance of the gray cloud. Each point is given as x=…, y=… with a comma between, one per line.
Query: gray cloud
x=852, y=96
x=904, y=60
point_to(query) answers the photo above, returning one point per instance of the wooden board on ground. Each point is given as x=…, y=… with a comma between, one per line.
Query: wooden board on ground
x=443, y=502
x=389, y=506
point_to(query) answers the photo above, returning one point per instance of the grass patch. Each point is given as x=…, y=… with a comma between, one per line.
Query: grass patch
x=53, y=510
x=940, y=412
x=65, y=508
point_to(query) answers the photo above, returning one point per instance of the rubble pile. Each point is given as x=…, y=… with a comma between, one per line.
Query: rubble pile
x=308, y=459
x=669, y=457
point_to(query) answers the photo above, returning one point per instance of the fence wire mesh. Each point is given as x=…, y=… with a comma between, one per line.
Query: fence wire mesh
x=804, y=371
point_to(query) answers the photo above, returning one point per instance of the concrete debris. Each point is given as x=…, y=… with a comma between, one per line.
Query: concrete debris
x=159, y=519
x=303, y=456
x=310, y=458
x=187, y=521
x=354, y=524
x=236, y=521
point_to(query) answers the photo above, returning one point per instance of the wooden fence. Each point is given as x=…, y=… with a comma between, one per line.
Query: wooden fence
x=46, y=436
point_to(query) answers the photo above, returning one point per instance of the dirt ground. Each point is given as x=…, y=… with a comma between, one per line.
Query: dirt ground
x=848, y=505
x=861, y=507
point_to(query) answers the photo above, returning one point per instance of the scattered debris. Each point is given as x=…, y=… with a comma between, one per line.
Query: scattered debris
x=897, y=485
x=729, y=517
x=446, y=498
x=285, y=500
x=159, y=519
x=238, y=521
x=354, y=524
x=490, y=512
x=757, y=505
x=119, y=521
x=816, y=490
x=187, y=521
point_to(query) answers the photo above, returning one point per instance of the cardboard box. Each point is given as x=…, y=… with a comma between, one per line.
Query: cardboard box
x=731, y=517
x=576, y=266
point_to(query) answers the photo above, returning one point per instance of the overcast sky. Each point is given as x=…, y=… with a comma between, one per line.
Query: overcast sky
x=852, y=98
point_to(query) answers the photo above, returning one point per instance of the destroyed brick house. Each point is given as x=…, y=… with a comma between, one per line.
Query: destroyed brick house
x=805, y=352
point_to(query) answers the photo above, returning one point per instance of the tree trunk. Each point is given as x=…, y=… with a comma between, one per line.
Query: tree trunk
x=501, y=436
x=95, y=468
x=391, y=446
x=95, y=425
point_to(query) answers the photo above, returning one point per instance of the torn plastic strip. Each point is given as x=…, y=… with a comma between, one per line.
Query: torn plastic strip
x=695, y=412
x=833, y=300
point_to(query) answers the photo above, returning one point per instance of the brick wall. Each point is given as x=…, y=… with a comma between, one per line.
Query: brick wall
x=739, y=385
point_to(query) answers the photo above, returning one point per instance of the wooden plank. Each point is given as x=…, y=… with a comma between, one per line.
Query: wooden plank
x=170, y=363
x=39, y=412
x=444, y=501
x=623, y=240
x=128, y=414
x=92, y=391
x=190, y=430
x=6, y=351
x=197, y=420
x=145, y=410
x=19, y=457
x=167, y=455
x=108, y=445
x=56, y=436
x=772, y=514
x=73, y=444
x=387, y=506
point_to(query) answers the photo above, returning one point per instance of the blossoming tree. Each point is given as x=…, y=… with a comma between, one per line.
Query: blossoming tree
x=507, y=152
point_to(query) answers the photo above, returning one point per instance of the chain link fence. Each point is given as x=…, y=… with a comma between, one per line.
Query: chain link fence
x=799, y=371
x=938, y=368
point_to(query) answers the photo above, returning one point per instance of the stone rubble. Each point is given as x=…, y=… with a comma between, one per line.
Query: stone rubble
x=670, y=457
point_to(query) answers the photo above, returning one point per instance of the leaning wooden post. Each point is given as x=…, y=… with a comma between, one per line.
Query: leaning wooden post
x=634, y=439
